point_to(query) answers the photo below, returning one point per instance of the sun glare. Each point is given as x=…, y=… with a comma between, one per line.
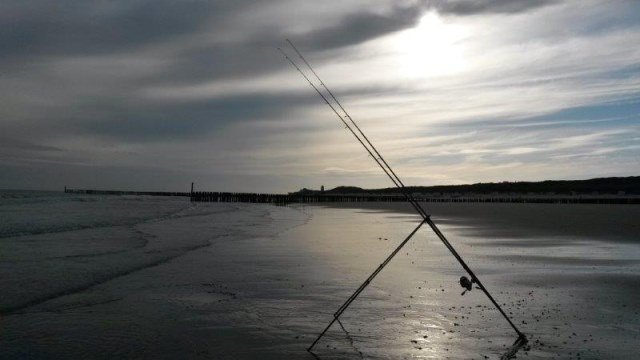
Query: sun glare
x=432, y=48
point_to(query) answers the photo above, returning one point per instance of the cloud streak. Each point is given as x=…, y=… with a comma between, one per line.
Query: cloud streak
x=476, y=7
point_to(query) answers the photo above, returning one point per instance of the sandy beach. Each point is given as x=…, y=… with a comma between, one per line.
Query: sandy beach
x=149, y=277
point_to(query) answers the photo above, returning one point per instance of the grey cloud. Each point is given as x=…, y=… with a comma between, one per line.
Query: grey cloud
x=33, y=29
x=152, y=122
x=257, y=54
x=358, y=28
x=22, y=145
x=474, y=7
x=222, y=61
x=36, y=28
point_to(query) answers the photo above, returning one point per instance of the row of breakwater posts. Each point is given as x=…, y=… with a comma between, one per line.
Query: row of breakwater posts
x=283, y=199
x=354, y=198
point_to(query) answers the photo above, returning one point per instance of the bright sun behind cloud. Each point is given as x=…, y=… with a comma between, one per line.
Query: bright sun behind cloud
x=430, y=49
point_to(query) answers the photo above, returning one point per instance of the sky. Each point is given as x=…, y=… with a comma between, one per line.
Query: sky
x=155, y=94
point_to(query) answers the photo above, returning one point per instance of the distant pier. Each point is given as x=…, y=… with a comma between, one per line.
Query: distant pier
x=120, y=192
x=283, y=199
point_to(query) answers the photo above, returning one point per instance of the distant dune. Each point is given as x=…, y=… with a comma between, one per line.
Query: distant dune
x=611, y=185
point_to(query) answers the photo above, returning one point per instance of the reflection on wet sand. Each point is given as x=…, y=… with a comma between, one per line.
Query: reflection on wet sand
x=521, y=273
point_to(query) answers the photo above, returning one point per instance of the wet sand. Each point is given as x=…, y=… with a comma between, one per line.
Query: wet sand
x=242, y=281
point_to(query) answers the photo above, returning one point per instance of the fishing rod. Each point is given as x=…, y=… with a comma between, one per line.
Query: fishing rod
x=371, y=149
x=388, y=171
x=346, y=114
x=335, y=112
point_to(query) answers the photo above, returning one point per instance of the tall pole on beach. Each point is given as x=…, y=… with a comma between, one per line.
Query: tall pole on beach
x=357, y=132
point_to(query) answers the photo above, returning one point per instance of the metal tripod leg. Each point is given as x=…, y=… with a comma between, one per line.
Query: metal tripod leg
x=351, y=298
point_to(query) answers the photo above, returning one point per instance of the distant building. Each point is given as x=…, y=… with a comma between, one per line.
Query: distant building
x=322, y=188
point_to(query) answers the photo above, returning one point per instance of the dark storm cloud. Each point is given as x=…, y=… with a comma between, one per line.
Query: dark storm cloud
x=474, y=7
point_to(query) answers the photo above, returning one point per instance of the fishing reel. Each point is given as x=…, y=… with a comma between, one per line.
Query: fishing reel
x=466, y=284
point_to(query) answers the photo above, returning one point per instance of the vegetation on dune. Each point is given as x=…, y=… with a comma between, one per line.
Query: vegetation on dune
x=611, y=185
